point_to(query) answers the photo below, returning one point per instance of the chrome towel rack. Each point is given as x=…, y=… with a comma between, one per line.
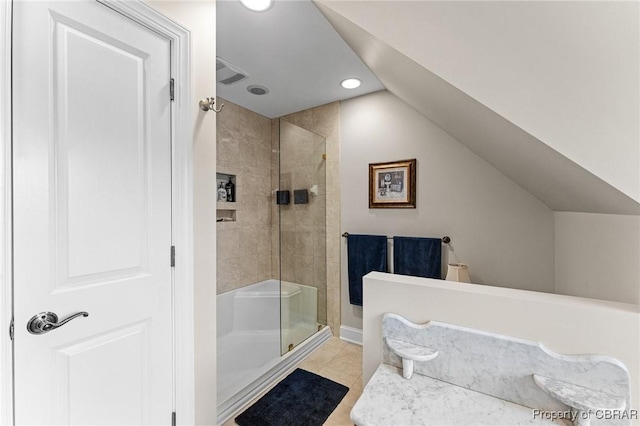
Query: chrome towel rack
x=446, y=239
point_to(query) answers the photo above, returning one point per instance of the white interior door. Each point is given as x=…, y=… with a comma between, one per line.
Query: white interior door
x=92, y=216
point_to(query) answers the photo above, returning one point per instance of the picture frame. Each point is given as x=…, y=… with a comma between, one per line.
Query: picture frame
x=392, y=184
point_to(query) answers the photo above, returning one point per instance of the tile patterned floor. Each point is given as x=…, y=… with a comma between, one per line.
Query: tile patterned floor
x=341, y=362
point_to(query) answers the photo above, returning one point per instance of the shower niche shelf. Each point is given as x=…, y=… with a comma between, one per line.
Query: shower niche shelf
x=224, y=205
x=228, y=182
x=225, y=215
x=226, y=208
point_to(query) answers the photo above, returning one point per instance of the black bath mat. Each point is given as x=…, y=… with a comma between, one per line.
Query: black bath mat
x=301, y=399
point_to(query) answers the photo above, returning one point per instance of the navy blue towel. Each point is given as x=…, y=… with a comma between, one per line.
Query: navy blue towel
x=420, y=257
x=365, y=253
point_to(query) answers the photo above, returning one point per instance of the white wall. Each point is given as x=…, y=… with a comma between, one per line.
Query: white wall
x=500, y=230
x=598, y=256
x=563, y=324
x=199, y=17
x=565, y=72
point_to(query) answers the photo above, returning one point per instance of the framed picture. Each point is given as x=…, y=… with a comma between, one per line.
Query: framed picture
x=392, y=185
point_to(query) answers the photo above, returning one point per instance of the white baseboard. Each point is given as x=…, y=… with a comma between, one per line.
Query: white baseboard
x=351, y=334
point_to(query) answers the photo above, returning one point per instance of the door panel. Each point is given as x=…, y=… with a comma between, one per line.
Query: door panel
x=92, y=215
x=116, y=190
x=80, y=365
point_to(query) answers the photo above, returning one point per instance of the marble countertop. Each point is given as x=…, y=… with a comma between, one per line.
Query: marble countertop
x=503, y=367
x=389, y=399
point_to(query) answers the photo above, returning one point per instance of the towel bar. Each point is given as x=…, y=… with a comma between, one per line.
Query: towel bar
x=446, y=239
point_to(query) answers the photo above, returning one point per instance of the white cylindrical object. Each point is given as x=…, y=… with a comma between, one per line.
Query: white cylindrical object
x=458, y=272
x=407, y=368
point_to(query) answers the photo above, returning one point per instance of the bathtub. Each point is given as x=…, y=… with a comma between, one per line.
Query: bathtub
x=249, y=343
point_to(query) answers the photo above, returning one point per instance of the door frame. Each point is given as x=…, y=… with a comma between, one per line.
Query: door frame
x=6, y=300
x=181, y=205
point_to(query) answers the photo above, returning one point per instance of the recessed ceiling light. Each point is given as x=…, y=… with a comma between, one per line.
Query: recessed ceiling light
x=257, y=5
x=351, y=83
x=258, y=90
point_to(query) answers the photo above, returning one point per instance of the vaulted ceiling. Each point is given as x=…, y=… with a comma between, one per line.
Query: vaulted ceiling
x=547, y=92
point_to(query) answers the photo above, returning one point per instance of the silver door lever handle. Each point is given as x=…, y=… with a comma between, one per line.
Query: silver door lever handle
x=44, y=322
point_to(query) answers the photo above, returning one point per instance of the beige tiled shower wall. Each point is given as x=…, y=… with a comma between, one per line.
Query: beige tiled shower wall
x=244, y=150
x=249, y=249
x=311, y=248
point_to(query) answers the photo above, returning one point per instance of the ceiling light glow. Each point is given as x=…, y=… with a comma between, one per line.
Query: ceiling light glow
x=257, y=5
x=351, y=83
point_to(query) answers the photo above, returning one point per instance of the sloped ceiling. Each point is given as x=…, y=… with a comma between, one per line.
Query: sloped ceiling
x=560, y=181
x=292, y=51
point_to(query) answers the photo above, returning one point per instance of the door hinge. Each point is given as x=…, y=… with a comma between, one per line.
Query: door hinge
x=173, y=256
x=11, y=329
x=172, y=89
x=173, y=419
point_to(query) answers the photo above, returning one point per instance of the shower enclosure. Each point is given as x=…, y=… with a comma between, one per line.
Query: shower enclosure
x=265, y=328
x=302, y=223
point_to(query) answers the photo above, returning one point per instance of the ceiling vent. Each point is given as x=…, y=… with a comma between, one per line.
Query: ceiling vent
x=258, y=90
x=227, y=73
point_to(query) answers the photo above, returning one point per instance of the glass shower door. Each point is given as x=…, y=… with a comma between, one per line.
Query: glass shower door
x=303, y=277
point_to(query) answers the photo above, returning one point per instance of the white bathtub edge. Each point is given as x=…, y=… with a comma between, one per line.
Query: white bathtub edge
x=289, y=362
